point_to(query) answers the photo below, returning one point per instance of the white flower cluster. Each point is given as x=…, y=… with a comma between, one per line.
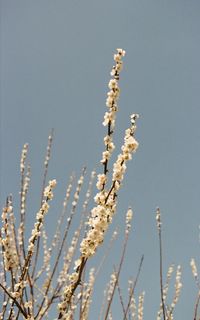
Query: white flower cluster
x=130, y=145
x=48, y=193
x=48, y=152
x=111, y=103
x=129, y=216
x=78, y=189
x=165, y=291
x=178, y=286
x=68, y=258
x=65, y=307
x=23, y=193
x=19, y=289
x=67, y=296
x=110, y=316
x=141, y=306
x=111, y=285
x=23, y=157
x=194, y=269
x=7, y=239
x=86, y=295
x=67, y=194
x=133, y=308
x=47, y=254
x=136, y=311
x=158, y=218
x=101, y=215
x=25, y=190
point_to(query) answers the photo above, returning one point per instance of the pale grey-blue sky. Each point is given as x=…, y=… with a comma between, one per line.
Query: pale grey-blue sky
x=55, y=62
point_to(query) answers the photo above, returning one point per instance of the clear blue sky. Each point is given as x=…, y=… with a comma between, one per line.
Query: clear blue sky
x=56, y=58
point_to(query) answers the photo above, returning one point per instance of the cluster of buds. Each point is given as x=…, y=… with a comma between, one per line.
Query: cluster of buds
x=106, y=200
x=65, y=307
x=19, y=289
x=141, y=306
x=48, y=151
x=23, y=158
x=102, y=214
x=25, y=190
x=111, y=103
x=48, y=194
x=178, y=286
x=111, y=286
x=78, y=189
x=129, y=217
x=7, y=238
x=158, y=219
x=194, y=269
x=165, y=291
x=86, y=295
x=130, y=146
x=68, y=258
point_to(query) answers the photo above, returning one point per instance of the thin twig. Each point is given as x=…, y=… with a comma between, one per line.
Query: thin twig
x=196, y=306
x=121, y=299
x=46, y=165
x=14, y=300
x=134, y=285
x=117, y=274
x=161, y=275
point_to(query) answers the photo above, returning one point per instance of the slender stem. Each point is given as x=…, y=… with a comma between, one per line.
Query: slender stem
x=161, y=273
x=117, y=274
x=46, y=165
x=105, y=256
x=14, y=300
x=134, y=285
x=196, y=306
x=121, y=299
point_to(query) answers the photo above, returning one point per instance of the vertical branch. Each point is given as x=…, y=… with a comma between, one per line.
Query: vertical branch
x=109, y=118
x=158, y=219
x=22, y=200
x=46, y=165
x=129, y=216
x=132, y=289
x=121, y=299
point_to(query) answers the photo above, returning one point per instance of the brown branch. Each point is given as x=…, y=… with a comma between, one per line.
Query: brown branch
x=134, y=285
x=196, y=306
x=78, y=281
x=117, y=274
x=121, y=299
x=14, y=300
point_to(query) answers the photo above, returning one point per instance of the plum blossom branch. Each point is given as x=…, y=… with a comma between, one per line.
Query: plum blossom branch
x=106, y=199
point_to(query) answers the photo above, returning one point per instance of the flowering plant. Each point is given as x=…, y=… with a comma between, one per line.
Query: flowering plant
x=31, y=289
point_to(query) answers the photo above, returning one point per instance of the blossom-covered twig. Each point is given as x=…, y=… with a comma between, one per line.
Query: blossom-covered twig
x=46, y=165
x=106, y=199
